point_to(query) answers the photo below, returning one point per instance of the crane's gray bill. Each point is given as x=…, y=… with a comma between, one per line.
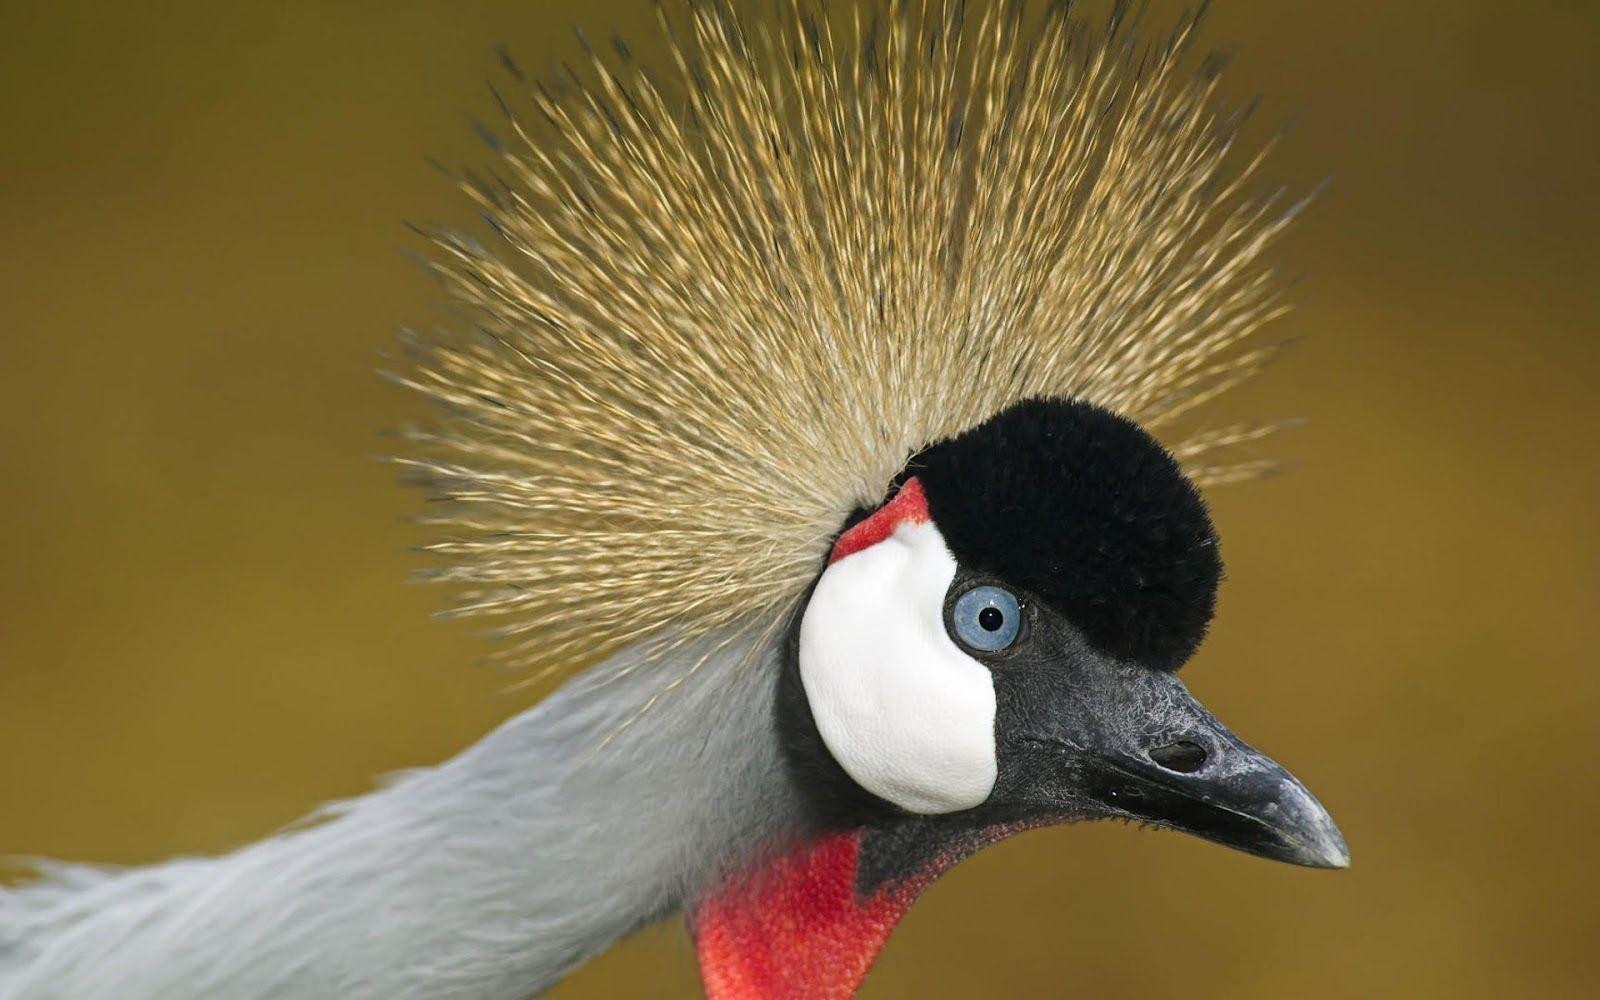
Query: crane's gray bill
x=1155, y=755
x=1245, y=801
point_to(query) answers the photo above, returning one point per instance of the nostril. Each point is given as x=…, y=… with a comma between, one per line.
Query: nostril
x=1184, y=756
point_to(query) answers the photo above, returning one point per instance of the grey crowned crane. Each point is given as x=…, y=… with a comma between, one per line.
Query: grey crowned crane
x=807, y=390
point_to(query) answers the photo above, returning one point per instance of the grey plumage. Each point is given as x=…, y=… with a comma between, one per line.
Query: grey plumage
x=490, y=876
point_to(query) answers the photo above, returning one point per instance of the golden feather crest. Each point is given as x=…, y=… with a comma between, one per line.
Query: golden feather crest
x=721, y=307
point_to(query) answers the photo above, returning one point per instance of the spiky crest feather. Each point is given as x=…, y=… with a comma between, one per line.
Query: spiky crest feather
x=725, y=307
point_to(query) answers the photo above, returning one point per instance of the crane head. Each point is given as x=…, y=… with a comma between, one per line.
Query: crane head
x=1002, y=640
x=996, y=648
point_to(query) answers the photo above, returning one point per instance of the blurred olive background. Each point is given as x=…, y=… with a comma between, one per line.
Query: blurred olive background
x=205, y=625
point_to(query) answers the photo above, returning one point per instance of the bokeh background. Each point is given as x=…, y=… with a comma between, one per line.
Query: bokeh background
x=205, y=628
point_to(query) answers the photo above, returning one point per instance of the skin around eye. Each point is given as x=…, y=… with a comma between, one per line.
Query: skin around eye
x=899, y=702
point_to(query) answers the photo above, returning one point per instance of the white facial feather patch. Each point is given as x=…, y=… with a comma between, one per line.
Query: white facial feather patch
x=906, y=713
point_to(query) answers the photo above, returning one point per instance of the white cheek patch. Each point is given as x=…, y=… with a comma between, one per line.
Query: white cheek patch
x=904, y=711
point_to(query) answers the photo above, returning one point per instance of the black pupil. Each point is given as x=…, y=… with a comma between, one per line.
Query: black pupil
x=990, y=619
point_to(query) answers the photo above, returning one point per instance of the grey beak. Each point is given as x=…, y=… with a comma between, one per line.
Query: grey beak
x=1189, y=773
x=1246, y=802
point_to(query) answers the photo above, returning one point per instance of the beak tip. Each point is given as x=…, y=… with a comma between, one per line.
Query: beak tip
x=1331, y=853
x=1321, y=844
x=1341, y=859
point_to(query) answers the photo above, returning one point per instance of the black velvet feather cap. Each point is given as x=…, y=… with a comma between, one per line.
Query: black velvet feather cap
x=1085, y=511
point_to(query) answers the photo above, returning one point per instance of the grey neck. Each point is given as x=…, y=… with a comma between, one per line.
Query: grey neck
x=490, y=876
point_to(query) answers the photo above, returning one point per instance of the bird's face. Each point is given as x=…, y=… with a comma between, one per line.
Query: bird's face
x=994, y=649
x=997, y=647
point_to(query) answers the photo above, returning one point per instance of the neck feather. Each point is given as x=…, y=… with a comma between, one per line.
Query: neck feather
x=492, y=875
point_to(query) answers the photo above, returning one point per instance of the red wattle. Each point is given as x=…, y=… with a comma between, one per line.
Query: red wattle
x=795, y=929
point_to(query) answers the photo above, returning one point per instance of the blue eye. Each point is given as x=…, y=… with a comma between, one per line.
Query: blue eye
x=987, y=619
